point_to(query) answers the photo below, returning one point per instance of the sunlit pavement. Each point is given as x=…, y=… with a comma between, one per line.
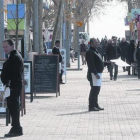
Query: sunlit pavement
x=67, y=117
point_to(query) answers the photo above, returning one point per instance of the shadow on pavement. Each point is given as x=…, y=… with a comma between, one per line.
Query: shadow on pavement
x=133, y=90
x=76, y=69
x=2, y=115
x=6, y=138
x=105, y=81
x=76, y=113
x=127, y=76
x=41, y=97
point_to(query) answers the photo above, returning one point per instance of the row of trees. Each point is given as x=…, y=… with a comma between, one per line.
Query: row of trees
x=68, y=12
x=72, y=12
x=76, y=10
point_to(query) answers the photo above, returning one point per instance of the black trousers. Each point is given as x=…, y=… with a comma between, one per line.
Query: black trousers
x=129, y=68
x=138, y=63
x=14, y=107
x=60, y=76
x=115, y=71
x=124, y=59
x=93, y=96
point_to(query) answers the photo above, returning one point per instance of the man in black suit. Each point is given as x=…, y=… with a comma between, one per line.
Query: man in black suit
x=113, y=51
x=11, y=77
x=95, y=67
x=57, y=51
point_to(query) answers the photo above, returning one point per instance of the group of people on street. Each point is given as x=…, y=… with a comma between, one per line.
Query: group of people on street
x=12, y=72
x=113, y=49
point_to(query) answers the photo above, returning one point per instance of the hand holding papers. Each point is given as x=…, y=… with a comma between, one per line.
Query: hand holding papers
x=6, y=92
x=120, y=63
x=97, y=81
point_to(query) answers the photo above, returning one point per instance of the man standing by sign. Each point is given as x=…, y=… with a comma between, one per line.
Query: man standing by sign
x=94, y=76
x=57, y=51
x=11, y=77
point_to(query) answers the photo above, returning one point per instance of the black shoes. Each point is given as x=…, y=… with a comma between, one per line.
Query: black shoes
x=62, y=83
x=100, y=108
x=111, y=78
x=94, y=109
x=14, y=132
x=115, y=79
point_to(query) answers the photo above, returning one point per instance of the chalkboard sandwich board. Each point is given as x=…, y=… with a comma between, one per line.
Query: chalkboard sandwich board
x=46, y=74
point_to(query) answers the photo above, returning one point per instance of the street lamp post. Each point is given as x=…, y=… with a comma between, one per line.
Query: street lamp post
x=1, y=28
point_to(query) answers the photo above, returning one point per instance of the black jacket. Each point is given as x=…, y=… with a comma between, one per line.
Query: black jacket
x=12, y=70
x=113, y=52
x=94, y=61
x=123, y=46
x=130, y=52
x=57, y=51
x=138, y=54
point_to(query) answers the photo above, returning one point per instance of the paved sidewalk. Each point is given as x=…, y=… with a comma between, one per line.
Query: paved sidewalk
x=67, y=118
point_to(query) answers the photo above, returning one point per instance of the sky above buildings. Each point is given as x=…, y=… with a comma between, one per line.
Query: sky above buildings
x=111, y=23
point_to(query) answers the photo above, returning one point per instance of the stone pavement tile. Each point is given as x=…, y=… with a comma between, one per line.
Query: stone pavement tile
x=67, y=117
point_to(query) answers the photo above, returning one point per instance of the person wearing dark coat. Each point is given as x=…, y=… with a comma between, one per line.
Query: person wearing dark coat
x=83, y=49
x=123, y=45
x=113, y=51
x=130, y=54
x=109, y=43
x=11, y=77
x=95, y=67
x=137, y=58
x=57, y=51
x=100, y=50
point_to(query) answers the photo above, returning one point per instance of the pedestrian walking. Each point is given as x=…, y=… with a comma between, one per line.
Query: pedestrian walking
x=109, y=43
x=72, y=54
x=57, y=51
x=123, y=45
x=130, y=55
x=11, y=77
x=83, y=49
x=113, y=51
x=95, y=68
x=100, y=50
x=137, y=58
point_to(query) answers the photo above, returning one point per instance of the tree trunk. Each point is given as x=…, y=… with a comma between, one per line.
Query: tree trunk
x=75, y=38
x=40, y=11
x=56, y=24
x=17, y=23
x=88, y=26
x=82, y=29
x=28, y=19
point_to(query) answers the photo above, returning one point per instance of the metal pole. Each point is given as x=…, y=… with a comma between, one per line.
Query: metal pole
x=129, y=10
x=1, y=28
x=35, y=26
x=17, y=24
x=40, y=39
x=66, y=40
x=78, y=28
x=88, y=26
